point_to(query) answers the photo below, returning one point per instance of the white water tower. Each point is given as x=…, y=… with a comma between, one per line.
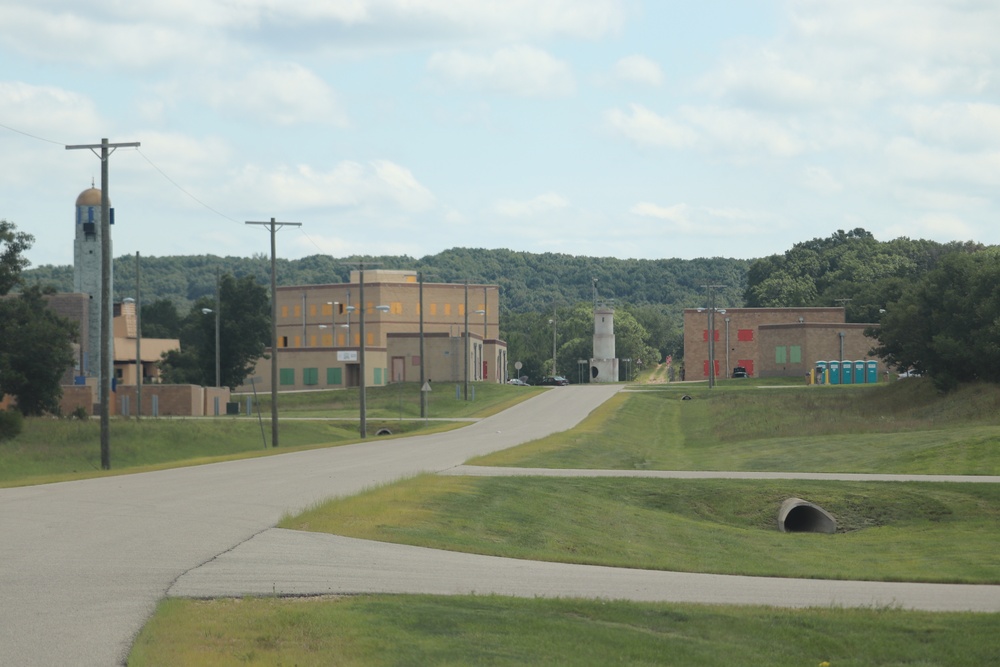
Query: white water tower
x=604, y=365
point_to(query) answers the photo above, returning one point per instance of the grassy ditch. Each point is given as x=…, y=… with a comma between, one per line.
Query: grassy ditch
x=904, y=427
x=887, y=531
x=51, y=449
x=487, y=630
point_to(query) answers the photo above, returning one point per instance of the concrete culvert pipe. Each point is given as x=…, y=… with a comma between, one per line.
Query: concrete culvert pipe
x=384, y=431
x=800, y=516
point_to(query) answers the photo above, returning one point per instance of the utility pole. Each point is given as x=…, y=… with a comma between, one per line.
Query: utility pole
x=711, y=333
x=218, y=321
x=363, y=399
x=465, y=383
x=273, y=227
x=423, y=379
x=138, y=344
x=107, y=356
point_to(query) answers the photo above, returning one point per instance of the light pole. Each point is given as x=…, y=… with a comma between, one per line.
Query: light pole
x=554, y=324
x=479, y=367
x=711, y=331
x=727, y=348
x=333, y=321
x=580, y=363
x=218, y=363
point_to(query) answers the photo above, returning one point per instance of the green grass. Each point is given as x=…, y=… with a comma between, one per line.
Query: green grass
x=901, y=428
x=403, y=400
x=50, y=449
x=887, y=531
x=488, y=630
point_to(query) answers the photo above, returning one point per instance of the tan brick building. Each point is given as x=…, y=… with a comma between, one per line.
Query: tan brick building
x=771, y=342
x=319, y=333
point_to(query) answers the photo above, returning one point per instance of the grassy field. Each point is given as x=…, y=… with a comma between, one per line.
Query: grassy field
x=889, y=531
x=422, y=630
x=51, y=449
x=903, y=427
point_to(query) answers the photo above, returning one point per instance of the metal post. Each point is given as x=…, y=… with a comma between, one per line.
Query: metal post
x=218, y=321
x=273, y=227
x=138, y=342
x=465, y=381
x=361, y=320
x=423, y=379
x=107, y=342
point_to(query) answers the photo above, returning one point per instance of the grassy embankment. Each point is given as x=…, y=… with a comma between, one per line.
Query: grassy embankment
x=50, y=450
x=890, y=531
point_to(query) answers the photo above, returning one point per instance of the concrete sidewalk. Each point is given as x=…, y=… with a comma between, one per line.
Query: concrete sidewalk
x=288, y=562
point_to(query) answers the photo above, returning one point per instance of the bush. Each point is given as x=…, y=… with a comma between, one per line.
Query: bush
x=11, y=424
x=79, y=413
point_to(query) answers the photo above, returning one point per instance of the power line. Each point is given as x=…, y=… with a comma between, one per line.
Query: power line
x=33, y=136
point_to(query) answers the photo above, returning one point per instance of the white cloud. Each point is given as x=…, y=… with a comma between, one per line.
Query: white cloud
x=48, y=111
x=544, y=203
x=736, y=132
x=820, y=180
x=520, y=70
x=646, y=127
x=378, y=186
x=282, y=93
x=689, y=220
x=961, y=126
x=638, y=69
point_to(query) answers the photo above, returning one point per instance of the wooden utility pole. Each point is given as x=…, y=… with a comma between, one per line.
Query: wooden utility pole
x=273, y=227
x=107, y=357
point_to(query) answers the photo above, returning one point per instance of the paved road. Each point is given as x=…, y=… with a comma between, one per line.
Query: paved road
x=83, y=564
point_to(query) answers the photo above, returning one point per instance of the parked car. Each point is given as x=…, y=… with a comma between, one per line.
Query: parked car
x=740, y=372
x=554, y=381
x=518, y=381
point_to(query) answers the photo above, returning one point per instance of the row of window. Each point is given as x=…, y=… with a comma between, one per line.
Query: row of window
x=395, y=308
x=334, y=376
x=742, y=335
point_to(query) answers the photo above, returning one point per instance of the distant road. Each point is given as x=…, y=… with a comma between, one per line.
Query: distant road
x=83, y=564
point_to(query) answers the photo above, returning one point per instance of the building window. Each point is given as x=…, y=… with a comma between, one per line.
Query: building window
x=396, y=308
x=284, y=311
x=297, y=311
x=377, y=375
x=745, y=335
x=310, y=376
x=298, y=341
x=370, y=338
x=334, y=376
x=447, y=309
x=795, y=354
x=781, y=355
x=704, y=335
x=434, y=309
x=286, y=376
x=283, y=341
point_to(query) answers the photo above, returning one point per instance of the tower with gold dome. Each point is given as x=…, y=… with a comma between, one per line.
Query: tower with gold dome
x=87, y=274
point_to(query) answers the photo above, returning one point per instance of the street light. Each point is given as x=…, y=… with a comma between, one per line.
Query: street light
x=333, y=320
x=218, y=364
x=712, y=310
x=479, y=368
x=553, y=323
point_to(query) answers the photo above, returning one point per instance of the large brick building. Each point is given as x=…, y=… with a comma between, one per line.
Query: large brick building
x=771, y=342
x=319, y=333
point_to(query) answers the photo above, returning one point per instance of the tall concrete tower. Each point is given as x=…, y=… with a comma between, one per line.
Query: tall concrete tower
x=604, y=365
x=87, y=276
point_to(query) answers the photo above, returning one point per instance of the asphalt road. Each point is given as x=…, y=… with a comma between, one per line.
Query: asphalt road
x=83, y=564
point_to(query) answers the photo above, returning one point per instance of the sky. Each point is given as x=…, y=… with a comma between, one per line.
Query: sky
x=602, y=128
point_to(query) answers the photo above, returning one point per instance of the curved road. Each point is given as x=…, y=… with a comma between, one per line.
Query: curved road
x=84, y=563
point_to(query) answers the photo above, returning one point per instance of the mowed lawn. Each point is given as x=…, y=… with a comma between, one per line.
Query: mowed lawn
x=915, y=531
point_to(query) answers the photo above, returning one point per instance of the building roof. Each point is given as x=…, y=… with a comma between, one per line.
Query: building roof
x=89, y=197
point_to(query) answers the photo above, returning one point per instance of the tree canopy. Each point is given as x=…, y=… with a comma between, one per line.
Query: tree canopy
x=35, y=344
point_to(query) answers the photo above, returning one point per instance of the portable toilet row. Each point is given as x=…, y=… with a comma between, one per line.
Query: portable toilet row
x=847, y=372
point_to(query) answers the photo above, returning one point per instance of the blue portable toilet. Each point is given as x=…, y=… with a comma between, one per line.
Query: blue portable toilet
x=871, y=366
x=820, y=372
x=834, y=375
x=846, y=372
x=859, y=372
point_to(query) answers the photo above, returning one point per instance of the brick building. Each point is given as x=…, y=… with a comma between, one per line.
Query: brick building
x=771, y=342
x=319, y=333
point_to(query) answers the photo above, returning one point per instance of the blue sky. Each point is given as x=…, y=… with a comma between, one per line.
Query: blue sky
x=591, y=127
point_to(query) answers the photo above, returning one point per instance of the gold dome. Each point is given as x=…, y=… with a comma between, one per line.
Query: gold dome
x=89, y=197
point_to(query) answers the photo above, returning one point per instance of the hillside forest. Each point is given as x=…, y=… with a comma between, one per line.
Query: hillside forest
x=905, y=285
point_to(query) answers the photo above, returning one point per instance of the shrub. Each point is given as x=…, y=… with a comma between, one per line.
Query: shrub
x=79, y=413
x=11, y=424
